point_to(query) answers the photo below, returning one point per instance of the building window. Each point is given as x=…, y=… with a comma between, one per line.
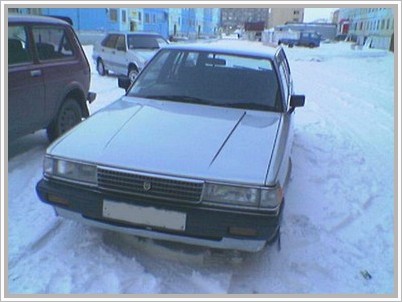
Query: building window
x=388, y=22
x=139, y=16
x=113, y=14
x=153, y=18
x=124, y=16
x=382, y=24
x=147, y=20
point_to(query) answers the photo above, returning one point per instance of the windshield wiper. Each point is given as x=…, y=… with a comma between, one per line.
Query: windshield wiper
x=250, y=105
x=179, y=98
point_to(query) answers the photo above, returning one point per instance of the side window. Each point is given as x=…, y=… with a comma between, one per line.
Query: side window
x=121, y=43
x=18, y=46
x=111, y=42
x=52, y=43
x=105, y=41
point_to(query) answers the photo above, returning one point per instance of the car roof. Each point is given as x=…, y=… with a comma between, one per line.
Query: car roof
x=135, y=33
x=267, y=52
x=16, y=18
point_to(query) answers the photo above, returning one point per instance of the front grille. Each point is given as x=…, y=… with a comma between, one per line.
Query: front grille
x=149, y=186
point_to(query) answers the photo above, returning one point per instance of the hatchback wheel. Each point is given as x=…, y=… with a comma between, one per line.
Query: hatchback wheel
x=132, y=73
x=70, y=114
x=100, y=67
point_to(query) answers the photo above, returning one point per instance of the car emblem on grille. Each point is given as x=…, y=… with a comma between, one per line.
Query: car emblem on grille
x=147, y=186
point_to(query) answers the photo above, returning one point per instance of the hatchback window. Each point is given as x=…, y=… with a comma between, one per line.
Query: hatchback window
x=52, y=43
x=18, y=46
x=144, y=42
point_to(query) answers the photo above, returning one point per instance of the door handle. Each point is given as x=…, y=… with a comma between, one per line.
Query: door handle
x=36, y=73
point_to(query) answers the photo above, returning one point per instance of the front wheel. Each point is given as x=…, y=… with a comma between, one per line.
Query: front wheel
x=132, y=74
x=70, y=114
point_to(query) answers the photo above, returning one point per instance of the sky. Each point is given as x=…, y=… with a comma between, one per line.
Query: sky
x=312, y=14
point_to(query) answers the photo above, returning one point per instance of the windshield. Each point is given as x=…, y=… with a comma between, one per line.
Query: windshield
x=145, y=42
x=210, y=78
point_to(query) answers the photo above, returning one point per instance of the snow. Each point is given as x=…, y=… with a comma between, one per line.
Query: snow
x=338, y=223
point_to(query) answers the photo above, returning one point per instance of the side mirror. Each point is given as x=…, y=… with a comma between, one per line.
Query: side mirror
x=296, y=101
x=124, y=82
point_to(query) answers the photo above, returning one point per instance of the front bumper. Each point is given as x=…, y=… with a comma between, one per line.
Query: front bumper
x=214, y=227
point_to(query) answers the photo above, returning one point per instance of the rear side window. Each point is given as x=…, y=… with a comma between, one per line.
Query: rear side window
x=121, y=43
x=18, y=45
x=52, y=43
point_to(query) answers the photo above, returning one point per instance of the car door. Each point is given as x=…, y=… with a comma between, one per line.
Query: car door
x=60, y=64
x=118, y=55
x=26, y=91
x=303, y=39
x=108, y=46
x=286, y=129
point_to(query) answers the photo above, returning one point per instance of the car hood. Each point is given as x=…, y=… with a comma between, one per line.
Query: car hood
x=176, y=139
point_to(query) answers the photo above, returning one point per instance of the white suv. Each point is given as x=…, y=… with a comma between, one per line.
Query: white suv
x=126, y=53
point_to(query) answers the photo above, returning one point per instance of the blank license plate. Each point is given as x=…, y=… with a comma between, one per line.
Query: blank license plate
x=144, y=215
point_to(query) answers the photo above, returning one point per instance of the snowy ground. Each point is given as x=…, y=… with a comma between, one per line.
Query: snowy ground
x=338, y=226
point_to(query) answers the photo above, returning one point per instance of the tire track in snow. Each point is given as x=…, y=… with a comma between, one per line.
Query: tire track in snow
x=31, y=249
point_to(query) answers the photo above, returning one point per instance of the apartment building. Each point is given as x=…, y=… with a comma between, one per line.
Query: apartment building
x=280, y=16
x=234, y=18
x=373, y=27
x=189, y=22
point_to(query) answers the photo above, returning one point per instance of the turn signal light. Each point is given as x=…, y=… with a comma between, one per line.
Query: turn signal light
x=58, y=199
x=243, y=231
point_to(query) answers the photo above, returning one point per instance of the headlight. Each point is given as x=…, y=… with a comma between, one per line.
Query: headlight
x=253, y=197
x=70, y=170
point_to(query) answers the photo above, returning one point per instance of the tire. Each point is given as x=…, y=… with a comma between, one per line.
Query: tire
x=69, y=115
x=132, y=73
x=290, y=45
x=100, y=67
x=311, y=45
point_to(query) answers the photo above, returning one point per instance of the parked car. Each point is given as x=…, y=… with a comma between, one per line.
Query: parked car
x=48, y=77
x=309, y=39
x=197, y=151
x=126, y=53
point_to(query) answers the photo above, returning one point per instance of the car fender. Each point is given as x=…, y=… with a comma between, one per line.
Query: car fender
x=76, y=91
x=135, y=59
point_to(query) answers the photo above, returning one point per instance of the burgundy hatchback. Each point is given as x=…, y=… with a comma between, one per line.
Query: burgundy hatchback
x=48, y=76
